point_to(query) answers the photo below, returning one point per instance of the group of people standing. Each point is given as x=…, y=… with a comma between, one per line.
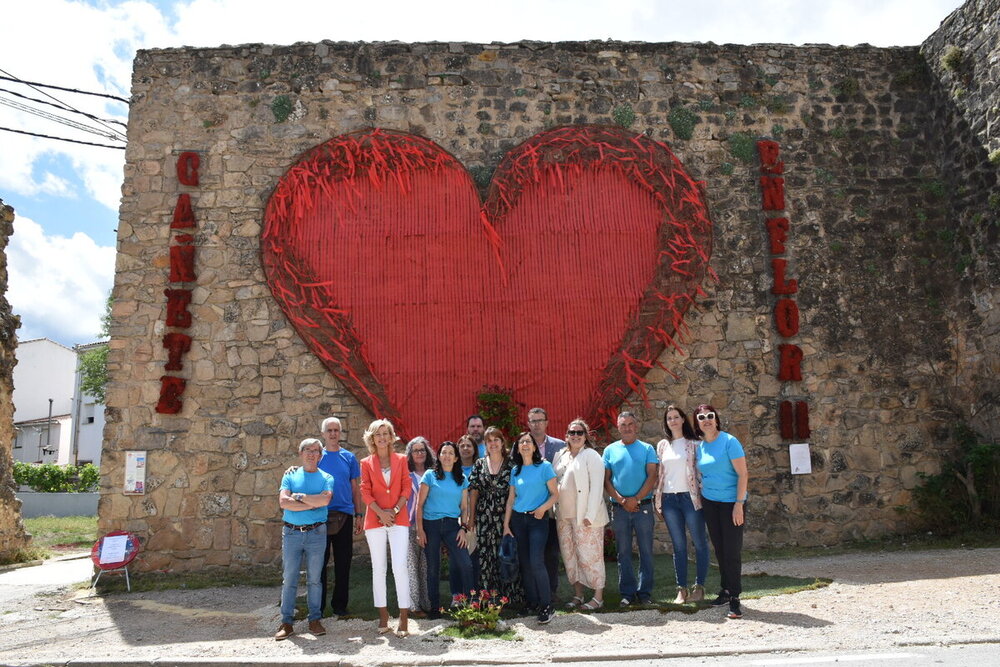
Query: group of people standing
x=549, y=495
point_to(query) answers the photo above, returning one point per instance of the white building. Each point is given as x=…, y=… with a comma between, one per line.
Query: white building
x=46, y=400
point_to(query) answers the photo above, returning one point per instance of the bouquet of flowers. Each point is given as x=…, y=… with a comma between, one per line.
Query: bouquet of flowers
x=479, y=611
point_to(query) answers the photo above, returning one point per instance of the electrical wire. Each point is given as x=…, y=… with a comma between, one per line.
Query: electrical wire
x=67, y=106
x=47, y=136
x=115, y=136
x=63, y=108
x=10, y=77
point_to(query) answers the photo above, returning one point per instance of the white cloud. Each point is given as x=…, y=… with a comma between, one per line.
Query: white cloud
x=57, y=285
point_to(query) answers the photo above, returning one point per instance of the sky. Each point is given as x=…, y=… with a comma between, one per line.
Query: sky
x=61, y=257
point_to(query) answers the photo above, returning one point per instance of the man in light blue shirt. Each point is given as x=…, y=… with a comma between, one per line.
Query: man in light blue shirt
x=305, y=493
x=629, y=478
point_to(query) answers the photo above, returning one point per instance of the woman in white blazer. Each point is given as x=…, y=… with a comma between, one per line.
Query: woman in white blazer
x=581, y=514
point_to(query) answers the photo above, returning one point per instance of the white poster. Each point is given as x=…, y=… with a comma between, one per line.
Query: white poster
x=135, y=472
x=799, y=456
x=113, y=549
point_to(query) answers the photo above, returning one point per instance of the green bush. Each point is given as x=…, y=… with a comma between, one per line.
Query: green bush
x=498, y=408
x=52, y=478
x=966, y=493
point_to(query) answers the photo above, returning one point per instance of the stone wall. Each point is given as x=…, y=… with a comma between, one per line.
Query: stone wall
x=964, y=58
x=867, y=195
x=12, y=535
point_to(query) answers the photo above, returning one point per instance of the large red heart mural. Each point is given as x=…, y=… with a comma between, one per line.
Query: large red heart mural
x=565, y=285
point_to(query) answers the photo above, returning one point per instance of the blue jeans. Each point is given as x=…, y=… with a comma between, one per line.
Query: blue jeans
x=532, y=534
x=294, y=545
x=639, y=523
x=678, y=512
x=438, y=532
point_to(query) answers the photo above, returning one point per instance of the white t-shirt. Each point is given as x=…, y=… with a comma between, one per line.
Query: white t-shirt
x=674, y=462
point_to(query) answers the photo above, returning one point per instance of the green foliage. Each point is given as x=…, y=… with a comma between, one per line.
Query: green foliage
x=480, y=612
x=281, y=107
x=706, y=104
x=742, y=146
x=777, y=130
x=848, y=87
x=994, y=201
x=966, y=493
x=729, y=114
x=995, y=157
x=778, y=104
x=94, y=372
x=52, y=478
x=498, y=408
x=727, y=168
x=935, y=189
x=624, y=115
x=62, y=532
x=952, y=58
x=682, y=121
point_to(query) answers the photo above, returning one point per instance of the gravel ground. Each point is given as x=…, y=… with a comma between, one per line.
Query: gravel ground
x=877, y=600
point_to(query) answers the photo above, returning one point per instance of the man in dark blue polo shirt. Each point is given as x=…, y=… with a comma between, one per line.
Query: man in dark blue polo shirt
x=343, y=513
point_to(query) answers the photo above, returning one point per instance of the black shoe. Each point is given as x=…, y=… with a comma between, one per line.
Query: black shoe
x=735, y=611
x=546, y=615
x=340, y=612
x=723, y=599
x=643, y=600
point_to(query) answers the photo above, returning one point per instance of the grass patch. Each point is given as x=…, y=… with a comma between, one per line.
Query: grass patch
x=62, y=533
x=468, y=633
x=969, y=539
x=210, y=578
x=25, y=555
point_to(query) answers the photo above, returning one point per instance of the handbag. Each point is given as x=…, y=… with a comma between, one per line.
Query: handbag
x=508, y=559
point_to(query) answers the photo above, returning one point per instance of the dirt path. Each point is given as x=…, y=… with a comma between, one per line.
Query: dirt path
x=877, y=600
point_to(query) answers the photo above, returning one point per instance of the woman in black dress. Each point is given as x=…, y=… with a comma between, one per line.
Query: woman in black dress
x=489, y=485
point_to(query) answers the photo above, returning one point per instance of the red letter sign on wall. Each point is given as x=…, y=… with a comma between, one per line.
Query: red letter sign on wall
x=793, y=418
x=182, y=270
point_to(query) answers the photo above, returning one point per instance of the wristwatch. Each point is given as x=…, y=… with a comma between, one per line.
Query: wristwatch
x=358, y=515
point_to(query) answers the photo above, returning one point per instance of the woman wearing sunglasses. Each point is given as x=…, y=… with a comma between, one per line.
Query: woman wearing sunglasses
x=680, y=501
x=723, y=467
x=581, y=514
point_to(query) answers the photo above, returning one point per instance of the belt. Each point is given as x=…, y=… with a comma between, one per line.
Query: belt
x=647, y=501
x=304, y=529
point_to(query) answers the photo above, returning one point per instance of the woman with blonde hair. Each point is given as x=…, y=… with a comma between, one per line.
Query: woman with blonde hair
x=385, y=489
x=581, y=514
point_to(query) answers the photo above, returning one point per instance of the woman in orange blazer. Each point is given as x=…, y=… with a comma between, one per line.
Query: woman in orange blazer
x=385, y=488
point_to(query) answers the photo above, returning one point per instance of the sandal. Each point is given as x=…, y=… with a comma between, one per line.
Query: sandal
x=593, y=604
x=575, y=602
x=384, y=630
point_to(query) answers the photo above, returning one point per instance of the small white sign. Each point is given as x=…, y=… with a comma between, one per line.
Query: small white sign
x=800, y=459
x=135, y=472
x=113, y=549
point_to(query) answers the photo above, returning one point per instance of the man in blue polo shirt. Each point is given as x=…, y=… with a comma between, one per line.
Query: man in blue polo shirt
x=629, y=478
x=305, y=493
x=343, y=520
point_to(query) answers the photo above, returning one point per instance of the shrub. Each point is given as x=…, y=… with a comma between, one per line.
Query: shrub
x=966, y=493
x=682, y=121
x=498, y=408
x=952, y=58
x=52, y=478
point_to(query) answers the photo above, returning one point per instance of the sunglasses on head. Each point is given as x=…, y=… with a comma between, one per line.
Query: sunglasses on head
x=576, y=432
x=706, y=415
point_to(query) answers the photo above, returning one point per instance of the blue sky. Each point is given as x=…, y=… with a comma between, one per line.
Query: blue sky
x=61, y=257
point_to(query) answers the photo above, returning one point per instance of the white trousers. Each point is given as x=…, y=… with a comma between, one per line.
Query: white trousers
x=396, y=540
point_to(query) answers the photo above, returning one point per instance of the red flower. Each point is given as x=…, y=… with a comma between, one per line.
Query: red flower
x=475, y=605
x=504, y=600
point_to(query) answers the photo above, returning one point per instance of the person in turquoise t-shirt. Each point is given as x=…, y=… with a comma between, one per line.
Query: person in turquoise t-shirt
x=629, y=478
x=442, y=518
x=305, y=493
x=532, y=494
x=723, y=467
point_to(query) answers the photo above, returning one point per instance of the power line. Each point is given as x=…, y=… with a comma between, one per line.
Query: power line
x=68, y=90
x=68, y=106
x=60, y=119
x=47, y=136
x=61, y=107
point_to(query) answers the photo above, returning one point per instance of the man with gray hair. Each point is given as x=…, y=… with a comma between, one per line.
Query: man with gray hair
x=629, y=477
x=343, y=520
x=305, y=493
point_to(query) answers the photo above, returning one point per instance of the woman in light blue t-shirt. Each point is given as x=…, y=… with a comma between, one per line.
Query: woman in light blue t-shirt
x=442, y=518
x=532, y=493
x=723, y=468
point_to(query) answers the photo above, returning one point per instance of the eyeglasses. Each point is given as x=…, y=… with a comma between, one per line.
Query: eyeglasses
x=706, y=415
x=418, y=451
x=576, y=433
x=537, y=421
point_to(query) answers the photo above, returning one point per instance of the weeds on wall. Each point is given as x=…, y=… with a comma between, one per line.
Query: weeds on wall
x=682, y=121
x=952, y=58
x=742, y=146
x=281, y=107
x=966, y=493
x=624, y=115
x=498, y=408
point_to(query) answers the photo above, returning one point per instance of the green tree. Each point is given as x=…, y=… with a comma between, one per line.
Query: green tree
x=94, y=363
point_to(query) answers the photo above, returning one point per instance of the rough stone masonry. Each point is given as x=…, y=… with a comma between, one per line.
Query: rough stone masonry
x=890, y=192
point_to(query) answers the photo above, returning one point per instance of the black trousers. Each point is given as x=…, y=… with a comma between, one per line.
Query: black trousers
x=552, y=557
x=727, y=540
x=341, y=547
